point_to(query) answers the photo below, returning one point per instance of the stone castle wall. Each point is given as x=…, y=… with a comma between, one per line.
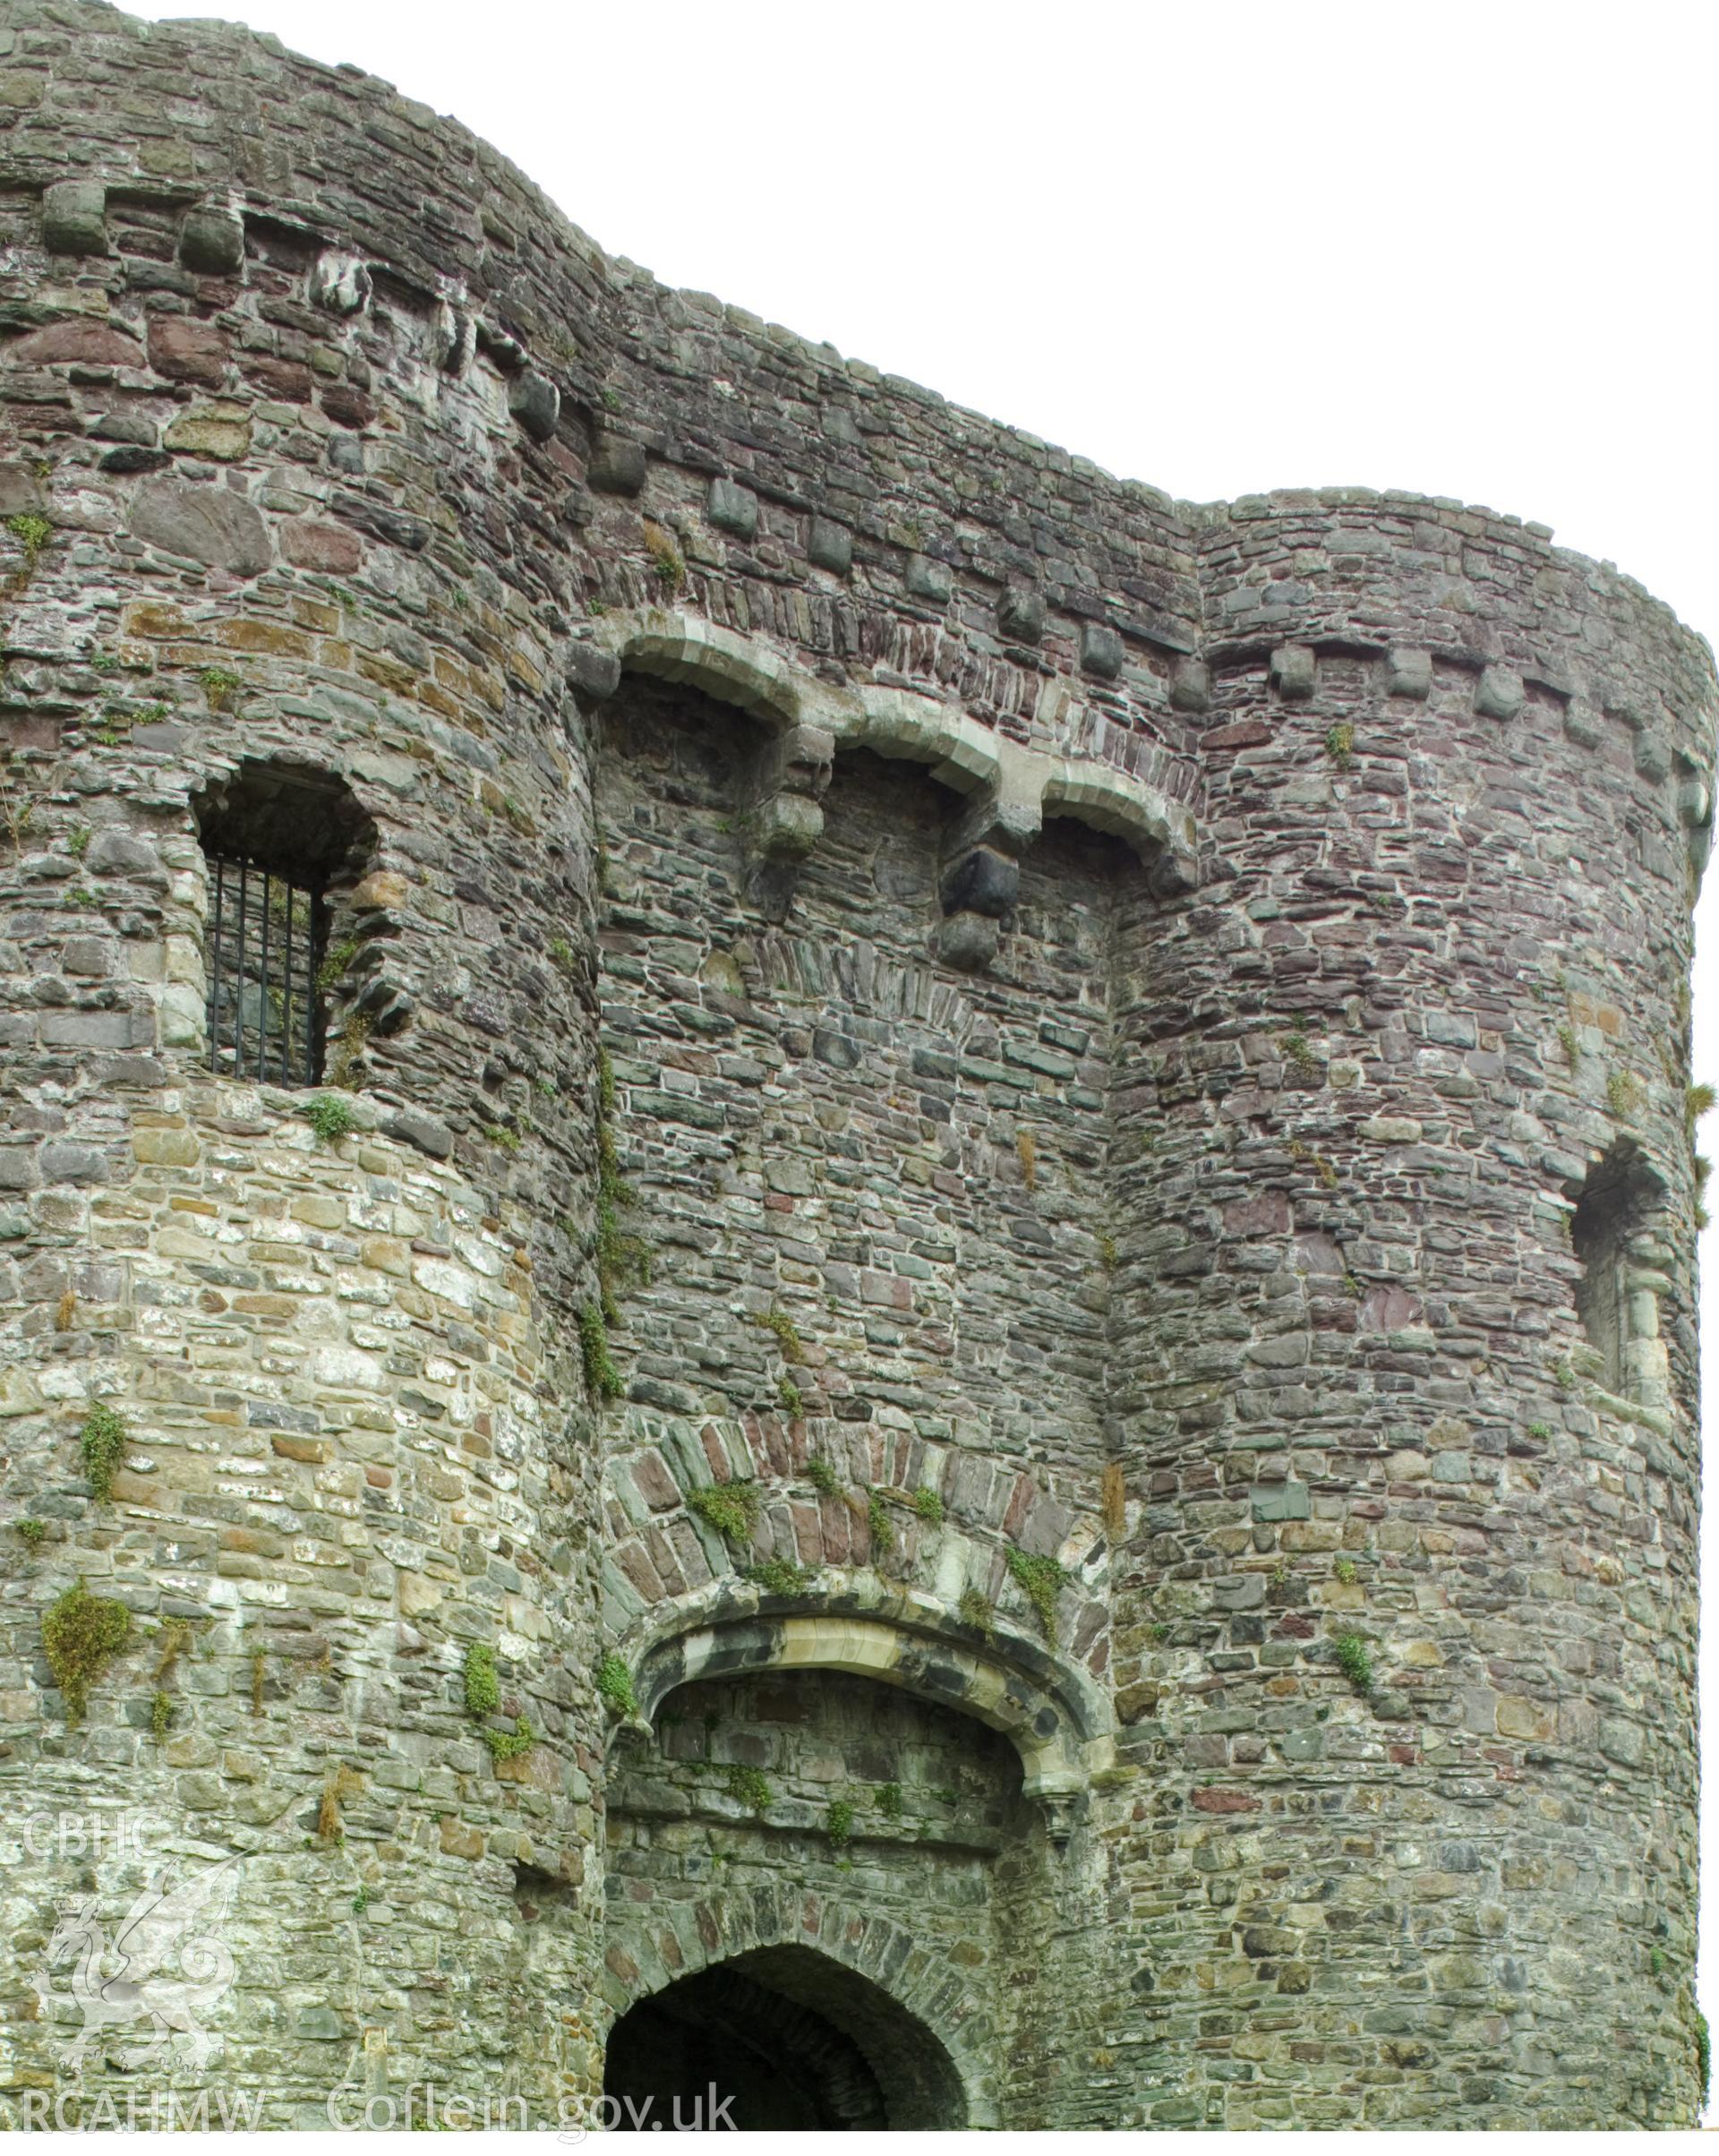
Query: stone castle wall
x=1146, y=1036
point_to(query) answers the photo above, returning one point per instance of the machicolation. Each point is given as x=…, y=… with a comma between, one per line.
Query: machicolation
x=883, y=1258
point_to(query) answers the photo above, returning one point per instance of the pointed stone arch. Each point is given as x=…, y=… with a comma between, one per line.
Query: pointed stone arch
x=656, y=1944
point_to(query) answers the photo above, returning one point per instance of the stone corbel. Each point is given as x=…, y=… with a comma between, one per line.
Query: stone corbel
x=1694, y=809
x=1059, y=1804
x=785, y=820
x=340, y=282
x=453, y=339
x=211, y=239
x=980, y=877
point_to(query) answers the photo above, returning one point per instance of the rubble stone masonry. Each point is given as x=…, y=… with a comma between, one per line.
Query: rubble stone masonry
x=1018, y=1156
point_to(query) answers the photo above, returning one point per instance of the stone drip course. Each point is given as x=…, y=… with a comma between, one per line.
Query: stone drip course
x=987, y=1310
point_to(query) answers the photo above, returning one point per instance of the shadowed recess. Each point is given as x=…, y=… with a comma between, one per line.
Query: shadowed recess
x=785, y=2039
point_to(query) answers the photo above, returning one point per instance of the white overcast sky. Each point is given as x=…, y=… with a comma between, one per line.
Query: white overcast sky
x=1466, y=250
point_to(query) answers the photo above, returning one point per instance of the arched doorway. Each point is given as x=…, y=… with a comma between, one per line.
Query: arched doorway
x=781, y=2039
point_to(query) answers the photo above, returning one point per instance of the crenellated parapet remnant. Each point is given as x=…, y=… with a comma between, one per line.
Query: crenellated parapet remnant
x=1133, y=1058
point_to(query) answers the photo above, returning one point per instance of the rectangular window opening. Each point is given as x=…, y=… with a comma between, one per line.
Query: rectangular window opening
x=264, y=944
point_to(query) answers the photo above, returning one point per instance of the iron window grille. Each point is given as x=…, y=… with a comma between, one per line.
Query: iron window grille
x=266, y=937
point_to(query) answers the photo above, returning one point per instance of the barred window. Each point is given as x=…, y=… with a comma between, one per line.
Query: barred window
x=283, y=845
x=266, y=944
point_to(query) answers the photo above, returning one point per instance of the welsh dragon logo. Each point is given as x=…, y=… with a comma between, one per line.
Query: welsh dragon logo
x=160, y=1973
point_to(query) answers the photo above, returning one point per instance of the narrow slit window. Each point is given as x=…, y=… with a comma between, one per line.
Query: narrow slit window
x=267, y=942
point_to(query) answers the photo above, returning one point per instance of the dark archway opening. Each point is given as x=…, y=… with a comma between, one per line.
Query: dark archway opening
x=782, y=2040
x=1614, y=1207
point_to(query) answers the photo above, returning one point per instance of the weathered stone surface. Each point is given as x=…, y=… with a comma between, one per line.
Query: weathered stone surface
x=1101, y=652
x=1191, y=685
x=82, y=340
x=189, y=351
x=340, y=283
x=127, y=458
x=733, y=508
x=1652, y=757
x=1282, y=1500
x=347, y=406
x=617, y=466
x=1409, y=673
x=968, y=942
x=211, y=241
x=74, y=217
x=787, y=826
x=593, y=671
x=286, y=380
x=217, y=430
x=1499, y=693
x=382, y=888
x=21, y=491
x=1293, y=671
x=329, y=548
x=423, y=1131
x=208, y=524
x=928, y=579
x=830, y=545
x=982, y=881
x=535, y=402
x=1222, y=1218
x=1020, y=613
x=124, y=426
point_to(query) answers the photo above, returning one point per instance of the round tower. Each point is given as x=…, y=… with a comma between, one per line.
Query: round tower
x=837, y=1267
